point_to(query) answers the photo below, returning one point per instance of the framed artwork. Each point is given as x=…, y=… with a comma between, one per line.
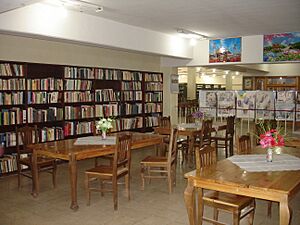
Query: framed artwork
x=248, y=83
x=225, y=50
x=245, y=104
x=282, y=47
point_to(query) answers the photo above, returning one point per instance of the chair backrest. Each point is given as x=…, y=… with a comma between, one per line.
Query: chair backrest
x=122, y=155
x=205, y=137
x=164, y=121
x=162, y=131
x=230, y=126
x=244, y=145
x=205, y=157
x=172, y=151
x=190, y=118
x=24, y=136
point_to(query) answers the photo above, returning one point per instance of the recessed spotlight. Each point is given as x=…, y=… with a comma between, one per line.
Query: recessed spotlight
x=226, y=72
x=224, y=76
x=99, y=9
x=214, y=70
x=214, y=75
x=237, y=73
x=233, y=77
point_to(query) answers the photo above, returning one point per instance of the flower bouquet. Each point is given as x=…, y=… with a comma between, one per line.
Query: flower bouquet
x=198, y=116
x=103, y=125
x=271, y=139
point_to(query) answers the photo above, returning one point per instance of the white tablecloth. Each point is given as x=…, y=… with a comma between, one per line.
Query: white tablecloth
x=96, y=140
x=258, y=163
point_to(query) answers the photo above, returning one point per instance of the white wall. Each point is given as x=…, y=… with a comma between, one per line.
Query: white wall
x=23, y=49
x=42, y=20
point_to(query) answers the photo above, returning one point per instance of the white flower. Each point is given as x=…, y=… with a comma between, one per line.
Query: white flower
x=104, y=124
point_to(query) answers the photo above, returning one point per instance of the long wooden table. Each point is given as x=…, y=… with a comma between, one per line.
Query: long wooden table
x=66, y=150
x=278, y=186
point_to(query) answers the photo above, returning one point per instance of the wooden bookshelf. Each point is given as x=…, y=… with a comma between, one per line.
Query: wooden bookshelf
x=66, y=101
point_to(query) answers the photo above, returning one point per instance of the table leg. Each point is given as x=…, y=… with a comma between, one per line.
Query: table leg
x=284, y=211
x=34, y=171
x=73, y=180
x=189, y=199
x=190, y=149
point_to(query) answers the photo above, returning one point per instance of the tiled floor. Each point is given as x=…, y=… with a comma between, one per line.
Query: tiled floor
x=153, y=206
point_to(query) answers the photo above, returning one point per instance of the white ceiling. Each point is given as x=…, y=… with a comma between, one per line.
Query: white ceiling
x=214, y=18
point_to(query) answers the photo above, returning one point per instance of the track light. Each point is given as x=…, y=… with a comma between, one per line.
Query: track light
x=190, y=34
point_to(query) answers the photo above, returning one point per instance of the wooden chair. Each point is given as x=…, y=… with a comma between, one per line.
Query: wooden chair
x=226, y=141
x=164, y=131
x=239, y=206
x=244, y=145
x=162, y=167
x=164, y=121
x=243, y=148
x=29, y=135
x=120, y=168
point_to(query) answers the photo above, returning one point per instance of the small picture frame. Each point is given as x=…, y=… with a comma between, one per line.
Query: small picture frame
x=248, y=83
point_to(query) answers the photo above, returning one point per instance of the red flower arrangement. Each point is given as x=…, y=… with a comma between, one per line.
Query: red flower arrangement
x=271, y=138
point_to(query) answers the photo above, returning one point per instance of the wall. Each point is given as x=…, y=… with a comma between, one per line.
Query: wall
x=42, y=51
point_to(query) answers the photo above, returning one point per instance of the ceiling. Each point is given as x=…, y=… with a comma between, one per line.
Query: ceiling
x=214, y=19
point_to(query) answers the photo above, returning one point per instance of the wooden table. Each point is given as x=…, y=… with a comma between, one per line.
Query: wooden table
x=66, y=150
x=278, y=186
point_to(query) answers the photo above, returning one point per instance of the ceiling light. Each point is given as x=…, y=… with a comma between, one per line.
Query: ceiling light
x=190, y=34
x=233, y=77
x=226, y=72
x=224, y=76
x=83, y=4
x=214, y=70
x=237, y=73
x=214, y=75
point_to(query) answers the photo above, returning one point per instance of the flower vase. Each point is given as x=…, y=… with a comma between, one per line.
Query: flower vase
x=103, y=134
x=269, y=155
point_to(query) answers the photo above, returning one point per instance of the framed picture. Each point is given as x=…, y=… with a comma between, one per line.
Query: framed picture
x=282, y=47
x=248, y=83
x=225, y=50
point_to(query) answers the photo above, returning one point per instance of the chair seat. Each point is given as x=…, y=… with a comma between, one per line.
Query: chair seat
x=105, y=170
x=225, y=199
x=41, y=161
x=154, y=160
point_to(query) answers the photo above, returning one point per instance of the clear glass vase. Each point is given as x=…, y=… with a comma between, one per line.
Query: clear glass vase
x=269, y=156
x=103, y=134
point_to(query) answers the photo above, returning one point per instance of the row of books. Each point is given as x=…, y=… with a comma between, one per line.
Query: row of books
x=14, y=98
x=12, y=116
x=75, y=72
x=154, y=86
x=151, y=121
x=107, y=74
x=71, y=85
x=131, y=123
x=44, y=97
x=132, y=95
x=133, y=85
x=49, y=84
x=153, y=77
x=129, y=109
x=44, y=115
x=8, y=163
x=106, y=95
x=78, y=96
x=51, y=134
x=127, y=75
x=153, y=107
x=107, y=110
x=77, y=128
x=12, y=84
x=154, y=97
x=7, y=69
x=80, y=112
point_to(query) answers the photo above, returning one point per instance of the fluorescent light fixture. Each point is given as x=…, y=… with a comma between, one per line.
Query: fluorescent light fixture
x=190, y=34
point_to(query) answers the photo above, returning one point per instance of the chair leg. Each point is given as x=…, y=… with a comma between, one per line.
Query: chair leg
x=269, y=209
x=127, y=185
x=251, y=215
x=54, y=174
x=170, y=180
x=19, y=176
x=143, y=177
x=226, y=149
x=101, y=187
x=115, y=193
x=236, y=217
x=199, y=192
x=216, y=214
x=87, y=190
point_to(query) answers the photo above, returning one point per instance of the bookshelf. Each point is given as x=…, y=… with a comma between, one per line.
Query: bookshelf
x=65, y=101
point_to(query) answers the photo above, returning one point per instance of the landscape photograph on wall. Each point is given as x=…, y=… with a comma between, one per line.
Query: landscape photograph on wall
x=225, y=50
x=282, y=47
